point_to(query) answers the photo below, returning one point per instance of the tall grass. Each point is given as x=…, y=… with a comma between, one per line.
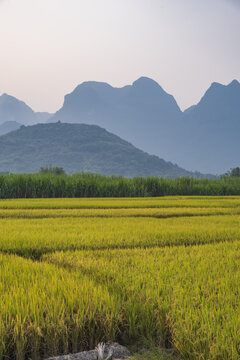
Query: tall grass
x=90, y=185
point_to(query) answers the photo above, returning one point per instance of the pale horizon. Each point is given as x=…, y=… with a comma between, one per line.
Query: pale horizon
x=51, y=46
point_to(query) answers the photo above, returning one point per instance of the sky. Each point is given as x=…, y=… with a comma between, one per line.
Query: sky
x=48, y=47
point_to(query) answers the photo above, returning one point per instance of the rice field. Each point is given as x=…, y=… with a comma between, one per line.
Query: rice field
x=162, y=271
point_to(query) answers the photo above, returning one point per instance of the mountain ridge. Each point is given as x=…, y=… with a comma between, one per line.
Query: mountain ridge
x=9, y=126
x=15, y=110
x=210, y=131
x=151, y=119
x=204, y=137
x=77, y=148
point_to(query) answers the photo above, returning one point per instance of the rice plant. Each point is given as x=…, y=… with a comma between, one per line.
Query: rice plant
x=78, y=272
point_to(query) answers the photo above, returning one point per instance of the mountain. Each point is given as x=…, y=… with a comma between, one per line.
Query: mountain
x=9, y=126
x=77, y=148
x=209, y=136
x=142, y=113
x=14, y=110
x=204, y=137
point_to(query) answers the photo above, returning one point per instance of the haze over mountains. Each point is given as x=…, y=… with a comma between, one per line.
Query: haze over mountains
x=121, y=109
x=205, y=137
x=9, y=126
x=142, y=113
x=12, y=109
x=211, y=131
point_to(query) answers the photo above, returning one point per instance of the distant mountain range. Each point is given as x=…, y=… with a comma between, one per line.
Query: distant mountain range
x=14, y=110
x=77, y=148
x=205, y=137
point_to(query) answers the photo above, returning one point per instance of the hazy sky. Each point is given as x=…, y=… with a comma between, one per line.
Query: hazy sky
x=47, y=47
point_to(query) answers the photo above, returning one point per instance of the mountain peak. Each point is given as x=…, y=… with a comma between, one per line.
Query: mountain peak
x=215, y=85
x=94, y=84
x=234, y=83
x=15, y=110
x=146, y=82
x=5, y=97
x=221, y=93
x=148, y=88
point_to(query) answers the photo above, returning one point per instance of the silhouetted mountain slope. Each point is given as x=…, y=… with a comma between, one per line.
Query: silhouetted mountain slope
x=9, y=126
x=142, y=113
x=219, y=103
x=78, y=148
x=92, y=99
x=209, y=136
x=12, y=109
